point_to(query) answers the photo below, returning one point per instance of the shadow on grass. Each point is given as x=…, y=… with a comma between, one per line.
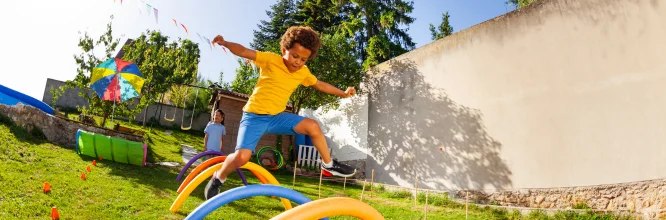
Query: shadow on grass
x=152, y=156
x=158, y=177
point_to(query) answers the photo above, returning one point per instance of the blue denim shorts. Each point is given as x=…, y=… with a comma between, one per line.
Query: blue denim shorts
x=254, y=126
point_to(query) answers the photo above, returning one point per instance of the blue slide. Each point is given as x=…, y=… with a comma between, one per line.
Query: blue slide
x=12, y=97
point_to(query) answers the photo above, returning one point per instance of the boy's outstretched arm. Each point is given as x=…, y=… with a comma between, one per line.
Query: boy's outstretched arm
x=236, y=49
x=329, y=89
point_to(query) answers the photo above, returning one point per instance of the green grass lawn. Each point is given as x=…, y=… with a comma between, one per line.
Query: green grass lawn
x=120, y=191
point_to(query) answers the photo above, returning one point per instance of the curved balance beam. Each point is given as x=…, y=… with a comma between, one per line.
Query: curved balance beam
x=243, y=192
x=331, y=207
x=208, y=163
x=209, y=172
x=208, y=152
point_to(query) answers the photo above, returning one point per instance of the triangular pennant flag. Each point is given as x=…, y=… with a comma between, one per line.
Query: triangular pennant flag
x=148, y=8
x=200, y=37
x=174, y=22
x=155, y=9
x=211, y=43
x=181, y=24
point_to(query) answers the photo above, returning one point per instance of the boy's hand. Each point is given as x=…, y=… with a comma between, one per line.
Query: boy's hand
x=219, y=40
x=350, y=92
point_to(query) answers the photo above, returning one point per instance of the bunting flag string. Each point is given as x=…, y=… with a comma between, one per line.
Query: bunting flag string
x=149, y=8
x=155, y=10
x=181, y=24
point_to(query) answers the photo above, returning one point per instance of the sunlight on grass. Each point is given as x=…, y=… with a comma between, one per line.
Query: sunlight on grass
x=121, y=191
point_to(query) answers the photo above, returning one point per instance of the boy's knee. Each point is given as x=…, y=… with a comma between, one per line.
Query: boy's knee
x=243, y=156
x=312, y=126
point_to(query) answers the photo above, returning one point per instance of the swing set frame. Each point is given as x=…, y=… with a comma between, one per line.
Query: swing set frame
x=175, y=107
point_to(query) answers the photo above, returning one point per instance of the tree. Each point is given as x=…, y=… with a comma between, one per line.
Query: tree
x=222, y=83
x=335, y=65
x=198, y=98
x=521, y=3
x=337, y=62
x=247, y=76
x=376, y=27
x=444, y=29
x=281, y=17
x=86, y=62
x=323, y=16
x=162, y=63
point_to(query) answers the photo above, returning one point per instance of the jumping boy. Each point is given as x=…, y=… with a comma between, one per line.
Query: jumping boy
x=264, y=111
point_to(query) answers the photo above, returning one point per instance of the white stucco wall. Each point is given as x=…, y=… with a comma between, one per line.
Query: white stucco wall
x=345, y=128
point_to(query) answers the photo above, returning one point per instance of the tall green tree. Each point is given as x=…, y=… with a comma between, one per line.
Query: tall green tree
x=280, y=18
x=444, y=29
x=86, y=62
x=323, y=16
x=379, y=28
x=163, y=64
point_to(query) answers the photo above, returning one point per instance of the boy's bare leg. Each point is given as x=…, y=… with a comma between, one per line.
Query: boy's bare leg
x=233, y=162
x=311, y=128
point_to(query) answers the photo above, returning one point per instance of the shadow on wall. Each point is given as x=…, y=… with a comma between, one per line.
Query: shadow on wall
x=409, y=120
x=347, y=139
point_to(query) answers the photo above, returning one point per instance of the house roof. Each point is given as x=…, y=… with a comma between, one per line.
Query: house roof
x=121, y=52
x=234, y=94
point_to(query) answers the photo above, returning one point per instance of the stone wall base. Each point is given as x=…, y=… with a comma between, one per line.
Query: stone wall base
x=57, y=130
x=644, y=198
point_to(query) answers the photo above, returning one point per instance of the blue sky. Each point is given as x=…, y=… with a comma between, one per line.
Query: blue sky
x=40, y=37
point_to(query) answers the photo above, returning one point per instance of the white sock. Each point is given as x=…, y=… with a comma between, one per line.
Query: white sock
x=221, y=180
x=328, y=165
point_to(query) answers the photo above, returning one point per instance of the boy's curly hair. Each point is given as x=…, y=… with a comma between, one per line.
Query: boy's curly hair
x=305, y=36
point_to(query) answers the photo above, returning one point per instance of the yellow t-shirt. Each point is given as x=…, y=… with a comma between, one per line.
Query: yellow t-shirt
x=275, y=84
